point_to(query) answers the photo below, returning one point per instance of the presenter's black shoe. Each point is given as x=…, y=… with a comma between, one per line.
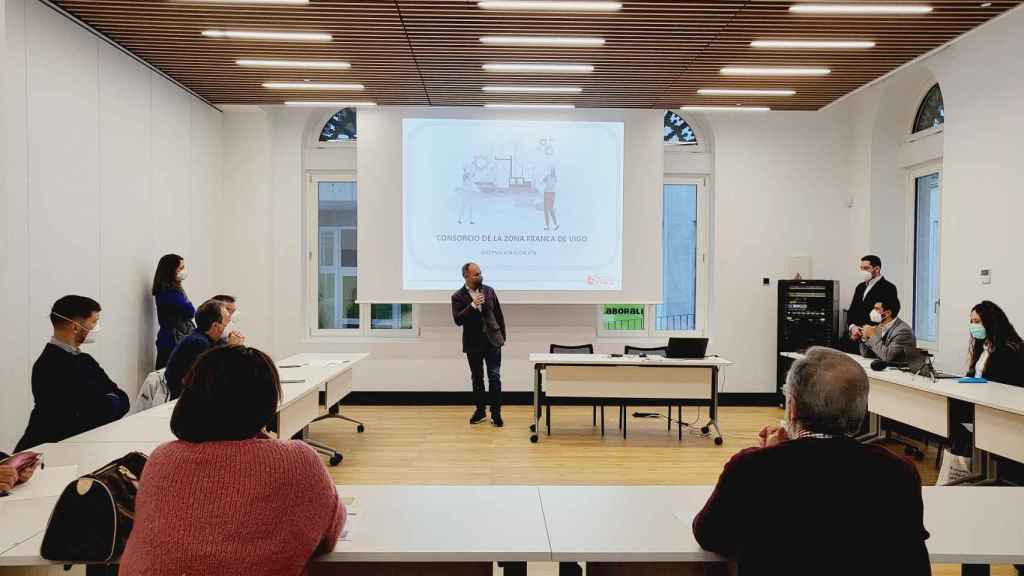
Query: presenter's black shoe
x=497, y=421
x=478, y=417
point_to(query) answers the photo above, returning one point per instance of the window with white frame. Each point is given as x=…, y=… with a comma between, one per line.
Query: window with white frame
x=931, y=113
x=926, y=185
x=682, y=273
x=334, y=216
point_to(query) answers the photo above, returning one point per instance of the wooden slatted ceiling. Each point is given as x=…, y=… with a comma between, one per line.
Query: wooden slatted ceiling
x=657, y=53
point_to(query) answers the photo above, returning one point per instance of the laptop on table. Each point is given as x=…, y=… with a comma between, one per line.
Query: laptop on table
x=688, y=348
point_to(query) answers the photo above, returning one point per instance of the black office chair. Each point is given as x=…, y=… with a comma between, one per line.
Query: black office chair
x=637, y=350
x=565, y=349
x=655, y=351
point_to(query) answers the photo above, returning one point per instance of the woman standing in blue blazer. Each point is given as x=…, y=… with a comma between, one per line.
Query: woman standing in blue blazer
x=174, y=311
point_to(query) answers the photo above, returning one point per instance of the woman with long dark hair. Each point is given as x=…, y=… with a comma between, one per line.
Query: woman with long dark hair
x=174, y=310
x=996, y=351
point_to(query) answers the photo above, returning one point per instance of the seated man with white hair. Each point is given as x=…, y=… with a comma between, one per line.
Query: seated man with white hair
x=812, y=500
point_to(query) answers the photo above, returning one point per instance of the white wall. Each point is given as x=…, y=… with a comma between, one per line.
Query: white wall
x=779, y=193
x=982, y=82
x=775, y=194
x=108, y=166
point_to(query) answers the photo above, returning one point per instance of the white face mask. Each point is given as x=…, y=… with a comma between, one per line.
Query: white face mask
x=90, y=338
x=875, y=316
x=867, y=274
x=182, y=275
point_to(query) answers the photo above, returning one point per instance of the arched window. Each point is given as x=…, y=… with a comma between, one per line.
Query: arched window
x=341, y=127
x=930, y=114
x=677, y=131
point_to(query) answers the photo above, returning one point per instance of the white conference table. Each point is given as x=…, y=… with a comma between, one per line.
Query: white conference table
x=90, y=456
x=919, y=402
x=300, y=404
x=622, y=524
x=140, y=427
x=398, y=524
x=21, y=520
x=341, y=366
x=626, y=378
x=444, y=524
x=628, y=524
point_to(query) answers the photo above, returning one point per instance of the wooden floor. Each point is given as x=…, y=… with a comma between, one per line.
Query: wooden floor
x=437, y=445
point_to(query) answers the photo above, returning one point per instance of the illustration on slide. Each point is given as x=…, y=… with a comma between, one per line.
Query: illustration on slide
x=549, y=197
x=466, y=192
x=506, y=176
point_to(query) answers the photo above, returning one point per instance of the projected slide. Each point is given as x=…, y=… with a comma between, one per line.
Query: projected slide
x=537, y=204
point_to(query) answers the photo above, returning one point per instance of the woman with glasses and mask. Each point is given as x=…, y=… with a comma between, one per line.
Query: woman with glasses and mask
x=174, y=311
x=225, y=498
x=72, y=392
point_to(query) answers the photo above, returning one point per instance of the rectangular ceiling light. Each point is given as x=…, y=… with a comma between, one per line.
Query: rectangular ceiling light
x=746, y=71
x=284, y=2
x=311, y=86
x=744, y=92
x=316, y=64
x=725, y=108
x=858, y=9
x=531, y=106
x=543, y=68
x=282, y=36
x=569, y=41
x=813, y=44
x=533, y=89
x=565, y=6
x=323, y=104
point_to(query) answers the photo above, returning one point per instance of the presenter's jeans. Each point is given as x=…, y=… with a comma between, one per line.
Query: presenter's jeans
x=491, y=357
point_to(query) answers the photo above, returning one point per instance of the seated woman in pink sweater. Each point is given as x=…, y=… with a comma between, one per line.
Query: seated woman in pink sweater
x=224, y=498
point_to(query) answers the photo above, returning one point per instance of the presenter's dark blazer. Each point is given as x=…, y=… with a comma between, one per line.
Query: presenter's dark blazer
x=860, y=310
x=480, y=328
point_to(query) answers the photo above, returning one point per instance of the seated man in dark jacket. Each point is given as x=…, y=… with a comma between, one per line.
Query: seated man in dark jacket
x=212, y=319
x=812, y=500
x=72, y=392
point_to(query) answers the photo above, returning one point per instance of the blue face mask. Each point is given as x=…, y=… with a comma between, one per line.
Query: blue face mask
x=978, y=331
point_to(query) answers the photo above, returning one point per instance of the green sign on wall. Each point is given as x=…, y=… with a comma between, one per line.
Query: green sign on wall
x=623, y=316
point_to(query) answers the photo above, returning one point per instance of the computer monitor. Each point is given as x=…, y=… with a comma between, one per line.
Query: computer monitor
x=687, y=347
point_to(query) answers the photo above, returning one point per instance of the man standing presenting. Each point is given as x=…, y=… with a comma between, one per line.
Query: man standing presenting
x=475, y=307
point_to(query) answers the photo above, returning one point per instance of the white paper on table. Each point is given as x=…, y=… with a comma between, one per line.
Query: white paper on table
x=46, y=482
x=346, y=532
x=351, y=505
x=323, y=363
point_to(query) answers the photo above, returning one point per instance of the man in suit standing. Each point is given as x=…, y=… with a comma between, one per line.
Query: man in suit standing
x=877, y=287
x=891, y=339
x=475, y=307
